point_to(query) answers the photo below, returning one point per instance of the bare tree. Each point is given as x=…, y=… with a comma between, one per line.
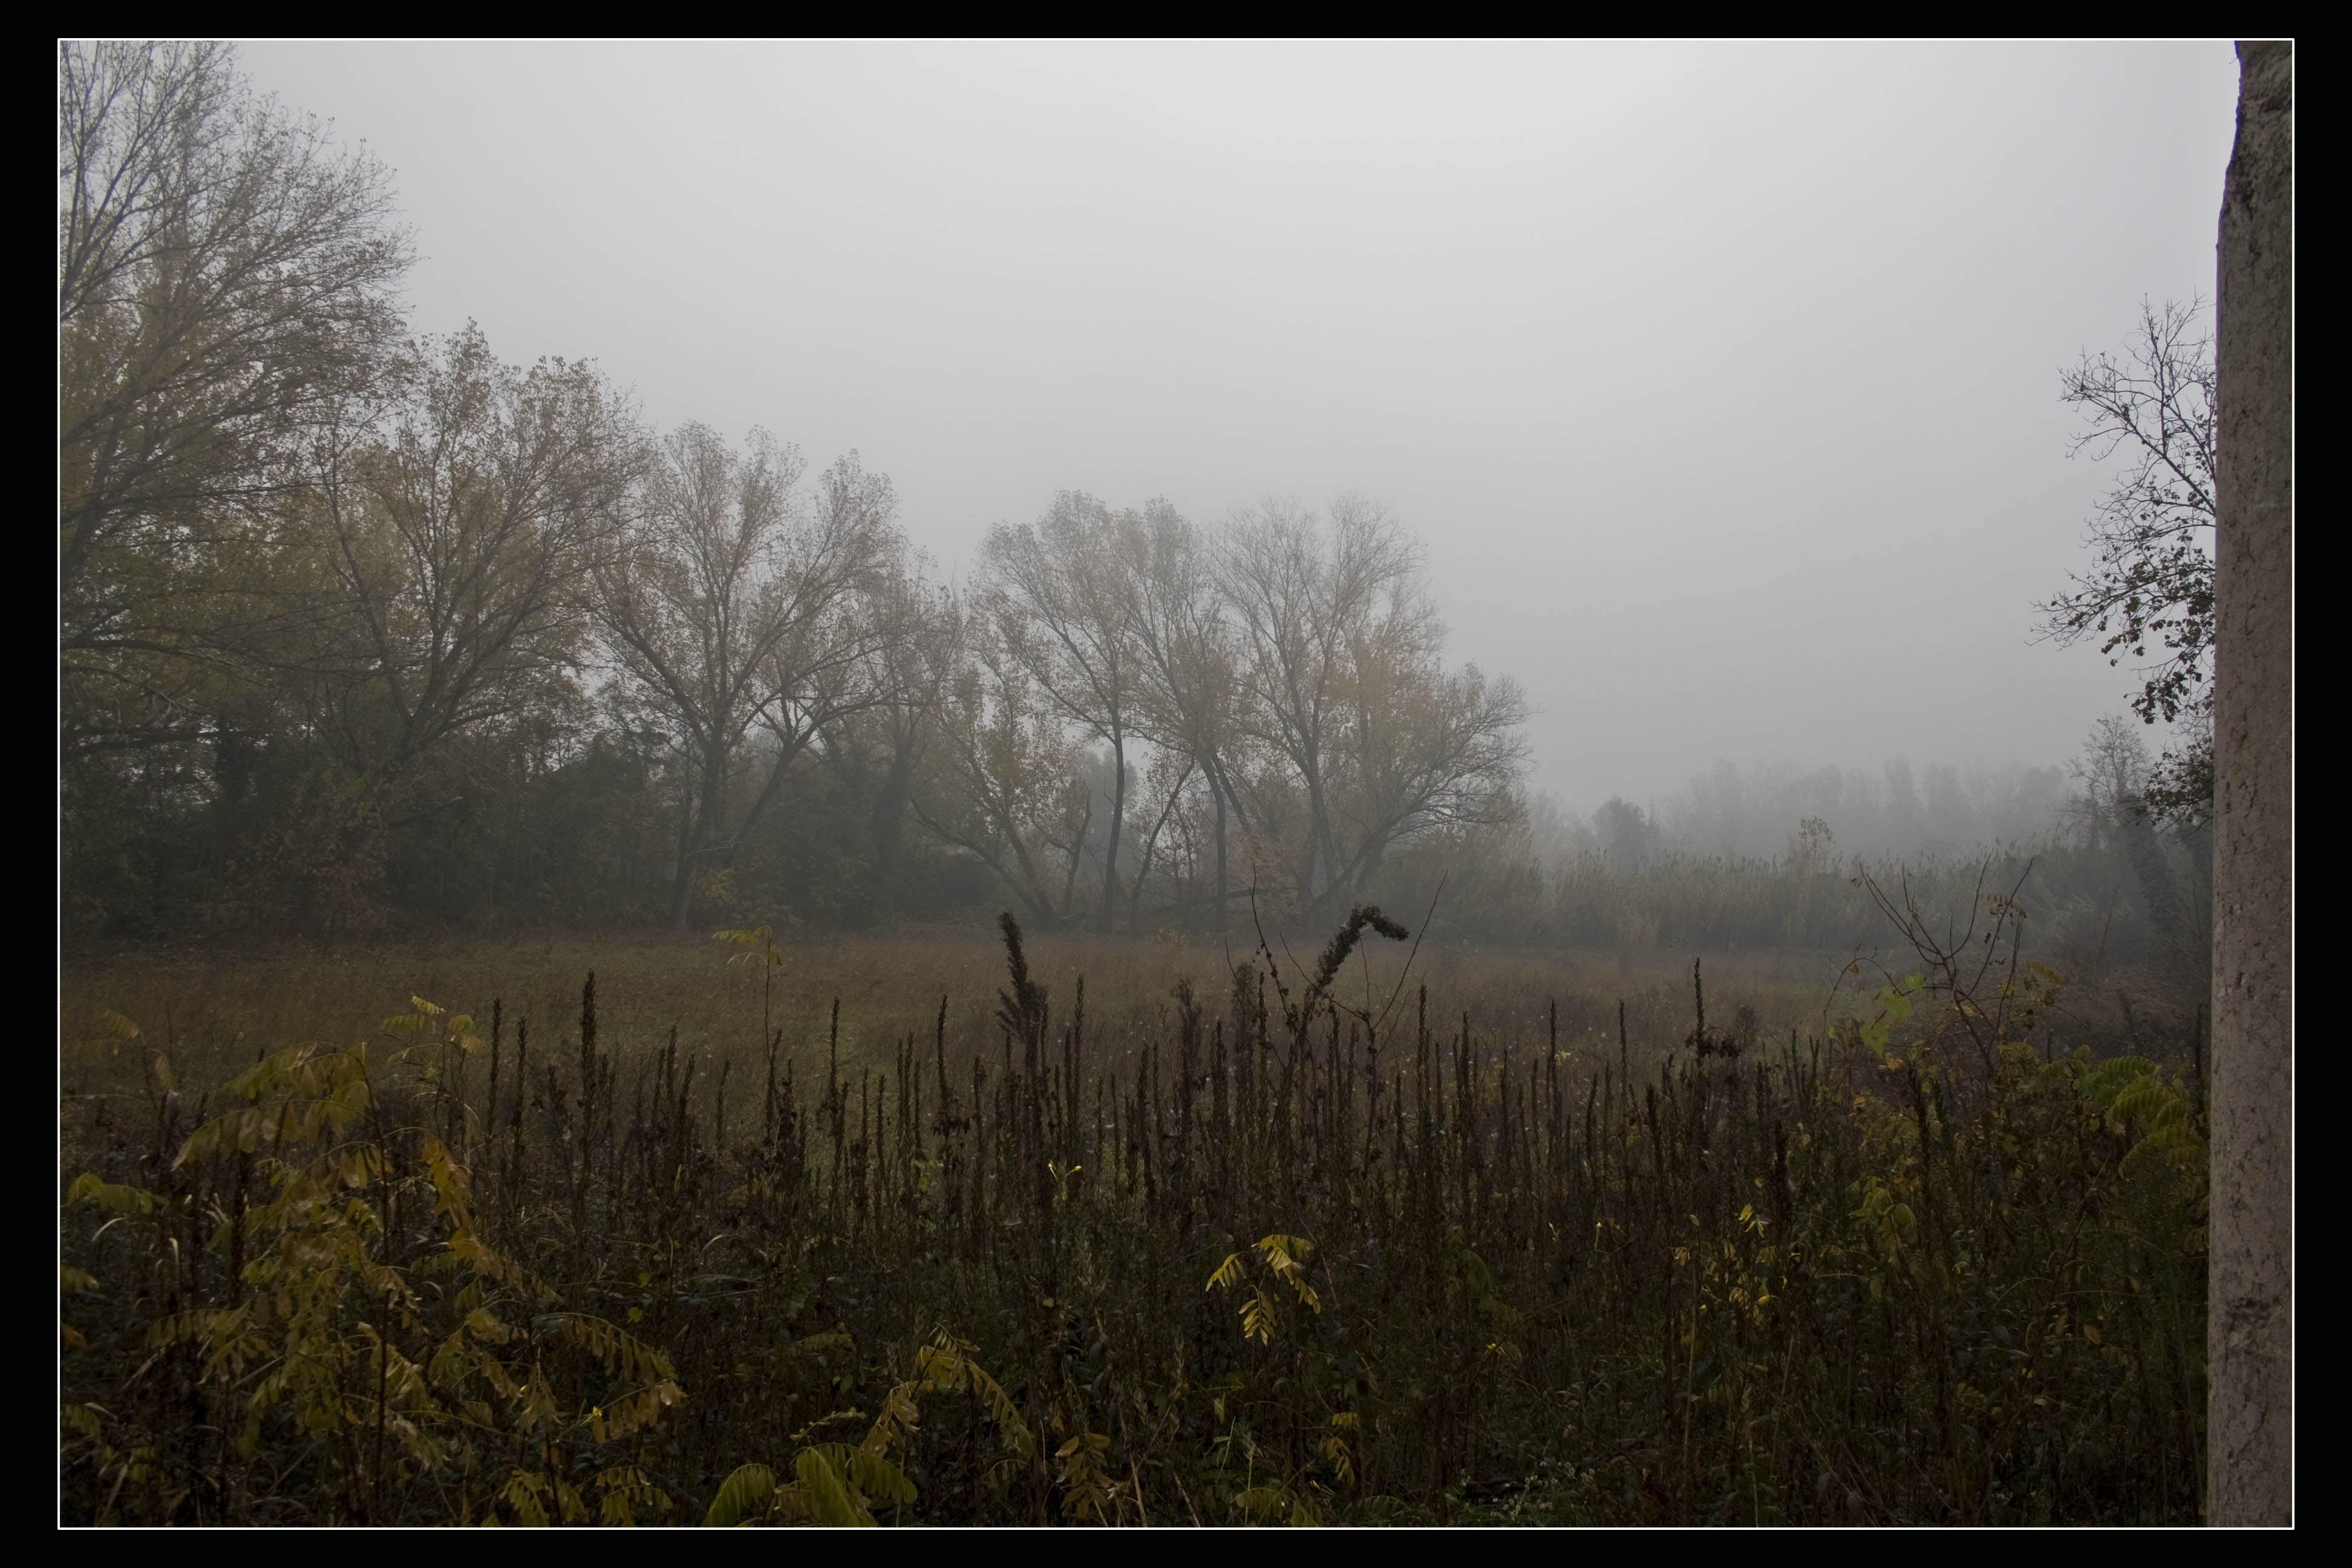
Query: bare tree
x=1297, y=601
x=731, y=605
x=1066, y=582
x=913, y=667
x=1429, y=749
x=2152, y=577
x=844, y=656
x=2114, y=772
x=1001, y=770
x=225, y=278
x=1341, y=669
x=1295, y=671
x=1187, y=656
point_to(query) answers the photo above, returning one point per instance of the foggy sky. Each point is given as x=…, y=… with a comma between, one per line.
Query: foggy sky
x=1721, y=381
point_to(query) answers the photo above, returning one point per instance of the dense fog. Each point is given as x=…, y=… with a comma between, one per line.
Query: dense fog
x=1722, y=379
x=848, y=483
x=1139, y=783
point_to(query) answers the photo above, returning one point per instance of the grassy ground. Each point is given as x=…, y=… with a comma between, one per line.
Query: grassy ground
x=216, y=1004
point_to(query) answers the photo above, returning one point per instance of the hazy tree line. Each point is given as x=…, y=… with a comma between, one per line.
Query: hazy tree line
x=357, y=626
x=1760, y=812
x=1777, y=856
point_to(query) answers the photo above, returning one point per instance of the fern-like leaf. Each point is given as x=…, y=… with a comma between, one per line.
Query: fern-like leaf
x=829, y=1502
x=743, y=1495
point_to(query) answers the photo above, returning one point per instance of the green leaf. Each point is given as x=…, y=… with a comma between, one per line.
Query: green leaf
x=829, y=1498
x=745, y=1493
x=113, y=1198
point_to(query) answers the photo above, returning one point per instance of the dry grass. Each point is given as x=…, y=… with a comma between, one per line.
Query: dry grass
x=1230, y=1260
x=215, y=1005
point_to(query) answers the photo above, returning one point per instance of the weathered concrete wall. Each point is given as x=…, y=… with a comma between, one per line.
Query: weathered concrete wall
x=2250, y=1439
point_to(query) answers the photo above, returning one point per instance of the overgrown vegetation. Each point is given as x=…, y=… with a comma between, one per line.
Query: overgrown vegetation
x=369, y=640
x=1308, y=1254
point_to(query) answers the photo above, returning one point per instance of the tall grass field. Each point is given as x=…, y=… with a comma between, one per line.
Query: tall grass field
x=982, y=1230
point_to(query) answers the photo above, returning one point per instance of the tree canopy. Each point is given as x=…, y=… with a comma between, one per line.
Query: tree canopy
x=360, y=627
x=2150, y=581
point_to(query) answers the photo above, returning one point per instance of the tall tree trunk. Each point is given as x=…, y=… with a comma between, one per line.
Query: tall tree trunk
x=1150, y=847
x=1118, y=829
x=681, y=891
x=1217, y=793
x=2250, y=1350
x=701, y=829
x=1321, y=853
x=1077, y=853
x=890, y=800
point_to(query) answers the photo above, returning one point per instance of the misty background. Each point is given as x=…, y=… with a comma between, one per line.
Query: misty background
x=1617, y=495
x=1546, y=582
x=1721, y=381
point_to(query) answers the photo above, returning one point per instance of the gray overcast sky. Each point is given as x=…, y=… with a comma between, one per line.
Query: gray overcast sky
x=1721, y=381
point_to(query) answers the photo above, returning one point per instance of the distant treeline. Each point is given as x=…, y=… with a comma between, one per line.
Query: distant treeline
x=1762, y=812
x=1775, y=855
x=360, y=631
x=358, y=627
